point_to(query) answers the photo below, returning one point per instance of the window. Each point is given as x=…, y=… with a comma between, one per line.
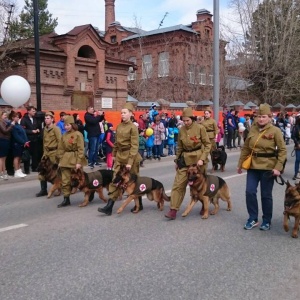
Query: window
x=147, y=66
x=191, y=74
x=202, y=76
x=163, y=64
x=113, y=39
x=211, y=79
x=131, y=72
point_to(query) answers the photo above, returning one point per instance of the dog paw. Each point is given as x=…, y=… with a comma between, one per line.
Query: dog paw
x=295, y=236
x=82, y=205
x=228, y=209
x=213, y=212
x=286, y=228
x=119, y=211
x=205, y=216
x=184, y=215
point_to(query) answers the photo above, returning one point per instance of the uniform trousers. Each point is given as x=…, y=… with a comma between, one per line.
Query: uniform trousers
x=113, y=191
x=66, y=181
x=266, y=180
x=179, y=187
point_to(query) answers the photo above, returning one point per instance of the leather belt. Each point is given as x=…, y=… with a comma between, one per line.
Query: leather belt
x=256, y=154
x=125, y=148
x=50, y=148
x=192, y=150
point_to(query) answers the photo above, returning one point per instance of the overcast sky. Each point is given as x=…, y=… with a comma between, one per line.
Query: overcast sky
x=71, y=13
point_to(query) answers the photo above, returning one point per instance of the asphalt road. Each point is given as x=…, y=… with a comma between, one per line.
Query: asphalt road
x=78, y=253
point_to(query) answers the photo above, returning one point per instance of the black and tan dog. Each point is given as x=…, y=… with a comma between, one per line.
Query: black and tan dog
x=219, y=157
x=137, y=186
x=206, y=188
x=91, y=182
x=50, y=172
x=291, y=208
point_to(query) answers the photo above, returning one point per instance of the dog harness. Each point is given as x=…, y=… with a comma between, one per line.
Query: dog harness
x=212, y=186
x=93, y=179
x=143, y=185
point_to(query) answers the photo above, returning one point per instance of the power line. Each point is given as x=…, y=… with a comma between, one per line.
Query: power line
x=162, y=21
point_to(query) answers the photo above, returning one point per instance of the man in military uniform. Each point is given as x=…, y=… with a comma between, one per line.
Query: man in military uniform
x=194, y=146
x=125, y=152
x=51, y=138
x=211, y=128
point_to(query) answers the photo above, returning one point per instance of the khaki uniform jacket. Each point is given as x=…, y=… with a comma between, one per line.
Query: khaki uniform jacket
x=71, y=150
x=193, y=137
x=126, y=145
x=270, y=141
x=51, y=139
x=211, y=127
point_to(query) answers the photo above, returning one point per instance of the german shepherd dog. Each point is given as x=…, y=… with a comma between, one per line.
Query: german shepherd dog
x=51, y=174
x=137, y=186
x=291, y=208
x=206, y=188
x=219, y=157
x=92, y=182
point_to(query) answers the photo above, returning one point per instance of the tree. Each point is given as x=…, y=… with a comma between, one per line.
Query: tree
x=269, y=47
x=23, y=27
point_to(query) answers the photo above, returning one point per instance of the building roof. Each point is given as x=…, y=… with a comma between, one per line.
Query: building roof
x=178, y=105
x=278, y=105
x=131, y=99
x=236, y=103
x=236, y=83
x=159, y=31
x=147, y=104
x=205, y=102
x=250, y=104
x=290, y=106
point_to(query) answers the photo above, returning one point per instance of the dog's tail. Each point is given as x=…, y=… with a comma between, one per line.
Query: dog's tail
x=165, y=196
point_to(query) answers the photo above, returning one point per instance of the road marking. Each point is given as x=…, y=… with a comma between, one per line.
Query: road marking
x=13, y=227
x=233, y=176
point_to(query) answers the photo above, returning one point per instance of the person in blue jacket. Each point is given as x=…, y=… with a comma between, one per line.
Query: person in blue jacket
x=149, y=146
x=19, y=141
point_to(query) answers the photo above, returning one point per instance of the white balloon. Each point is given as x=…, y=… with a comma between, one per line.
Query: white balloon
x=242, y=128
x=15, y=90
x=240, y=124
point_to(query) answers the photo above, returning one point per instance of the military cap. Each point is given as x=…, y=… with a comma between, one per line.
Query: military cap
x=49, y=113
x=128, y=106
x=69, y=120
x=187, y=112
x=264, y=109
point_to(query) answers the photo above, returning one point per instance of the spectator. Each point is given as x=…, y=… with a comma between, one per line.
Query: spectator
x=220, y=134
x=109, y=141
x=171, y=141
x=19, y=140
x=33, y=130
x=142, y=146
x=159, y=136
x=247, y=126
x=5, y=135
x=92, y=128
x=296, y=139
x=172, y=122
x=153, y=112
x=61, y=123
x=79, y=123
x=231, y=127
x=149, y=146
x=142, y=122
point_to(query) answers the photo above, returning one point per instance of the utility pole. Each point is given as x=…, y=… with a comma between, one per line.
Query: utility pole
x=7, y=23
x=37, y=55
x=216, y=62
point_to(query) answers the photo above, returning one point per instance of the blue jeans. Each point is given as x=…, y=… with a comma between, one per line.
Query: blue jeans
x=156, y=150
x=266, y=186
x=93, y=149
x=297, y=162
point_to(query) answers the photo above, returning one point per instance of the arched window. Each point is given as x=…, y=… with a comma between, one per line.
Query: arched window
x=86, y=52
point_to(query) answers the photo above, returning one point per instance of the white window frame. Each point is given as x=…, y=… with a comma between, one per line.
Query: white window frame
x=202, y=76
x=191, y=74
x=147, y=66
x=163, y=64
x=211, y=79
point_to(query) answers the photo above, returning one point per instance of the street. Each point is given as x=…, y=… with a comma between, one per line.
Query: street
x=79, y=253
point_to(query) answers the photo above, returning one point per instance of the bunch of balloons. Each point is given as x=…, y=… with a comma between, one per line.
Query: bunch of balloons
x=15, y=90
x=149, y=131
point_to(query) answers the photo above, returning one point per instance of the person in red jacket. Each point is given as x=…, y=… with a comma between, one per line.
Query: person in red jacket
x=110, y=140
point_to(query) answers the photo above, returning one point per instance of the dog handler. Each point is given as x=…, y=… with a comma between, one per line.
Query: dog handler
x=71, y=156
x=125, y=152
x=194, y=146
x=268, y=159
x=51, y=139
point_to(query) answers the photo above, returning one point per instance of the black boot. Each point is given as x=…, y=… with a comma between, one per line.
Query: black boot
x=65, y=202
x=43, y=191
x=141, y=205
x=107, y=209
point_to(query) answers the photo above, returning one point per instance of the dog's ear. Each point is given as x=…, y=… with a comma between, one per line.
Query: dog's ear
x=288, y=183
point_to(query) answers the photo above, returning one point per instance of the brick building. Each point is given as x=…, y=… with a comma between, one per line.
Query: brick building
x=173, y=63
x=75, y=70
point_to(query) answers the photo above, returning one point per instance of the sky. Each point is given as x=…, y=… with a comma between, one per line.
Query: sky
x=146, y=14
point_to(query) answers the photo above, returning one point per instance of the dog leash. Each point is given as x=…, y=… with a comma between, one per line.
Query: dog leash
x=279, y=179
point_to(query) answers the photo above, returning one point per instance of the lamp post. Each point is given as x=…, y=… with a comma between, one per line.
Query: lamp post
x=216, y=61
x=37, y=54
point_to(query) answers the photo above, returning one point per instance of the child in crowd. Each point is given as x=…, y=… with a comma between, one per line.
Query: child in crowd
x=109, y=140
x=171, y=141
x=142, y=145
x=149, y=146
x=176, y=131
x=220, y=134
x=287, y=133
